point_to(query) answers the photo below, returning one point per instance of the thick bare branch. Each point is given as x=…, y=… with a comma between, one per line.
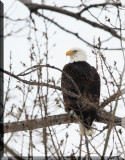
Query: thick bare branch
x=54, y=120
x=33, y=7
x=37, y=123
x=76, y=34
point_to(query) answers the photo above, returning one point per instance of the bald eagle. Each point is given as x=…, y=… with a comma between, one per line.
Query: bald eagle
x=87, y=81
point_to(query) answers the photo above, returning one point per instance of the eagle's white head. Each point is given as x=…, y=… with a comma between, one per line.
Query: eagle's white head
x=76, y=54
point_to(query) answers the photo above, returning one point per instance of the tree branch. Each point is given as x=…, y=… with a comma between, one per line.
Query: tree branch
x=39, y=84
x=112, y=98
x=103, y=104
x=76, y=34
x=103, y=115
x=99, y=5
x=33, y=7
x=54, y=120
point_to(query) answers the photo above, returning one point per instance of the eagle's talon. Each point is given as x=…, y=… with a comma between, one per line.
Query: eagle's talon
x=72, y=113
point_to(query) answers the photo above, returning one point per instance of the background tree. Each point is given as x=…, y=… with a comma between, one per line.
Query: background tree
x=35, y=107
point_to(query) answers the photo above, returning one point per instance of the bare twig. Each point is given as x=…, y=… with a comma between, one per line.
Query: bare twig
x=99, y=5
x=75, y=34
x=33, y=7
x=38, y=84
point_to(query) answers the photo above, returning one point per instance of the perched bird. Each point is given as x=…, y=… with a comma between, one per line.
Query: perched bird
x=87, y=82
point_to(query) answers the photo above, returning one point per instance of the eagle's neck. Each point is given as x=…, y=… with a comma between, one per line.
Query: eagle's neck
x=77, y=58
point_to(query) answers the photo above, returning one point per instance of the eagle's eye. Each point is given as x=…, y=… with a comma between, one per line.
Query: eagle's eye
x=75, y=51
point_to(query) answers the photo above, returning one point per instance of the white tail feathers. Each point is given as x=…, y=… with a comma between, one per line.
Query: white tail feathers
x=84, y=131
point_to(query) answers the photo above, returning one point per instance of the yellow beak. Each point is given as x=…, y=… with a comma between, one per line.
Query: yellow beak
x=69, y=53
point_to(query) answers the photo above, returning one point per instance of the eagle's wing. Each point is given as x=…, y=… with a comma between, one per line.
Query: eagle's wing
x=89, y=81
x=86, y=79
